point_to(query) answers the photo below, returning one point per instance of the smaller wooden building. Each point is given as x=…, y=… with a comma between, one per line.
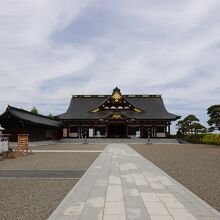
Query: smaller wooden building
x=40, y=128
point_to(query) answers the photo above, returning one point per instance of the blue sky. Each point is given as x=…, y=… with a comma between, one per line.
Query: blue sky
x=52, y=49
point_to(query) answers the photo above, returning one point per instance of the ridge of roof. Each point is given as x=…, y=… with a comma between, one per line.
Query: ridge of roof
x=126, y=95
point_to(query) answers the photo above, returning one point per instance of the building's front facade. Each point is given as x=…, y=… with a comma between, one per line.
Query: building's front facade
x=17, y=121
x=117, y=116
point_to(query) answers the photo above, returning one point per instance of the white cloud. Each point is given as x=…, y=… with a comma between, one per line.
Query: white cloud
x=28, y=54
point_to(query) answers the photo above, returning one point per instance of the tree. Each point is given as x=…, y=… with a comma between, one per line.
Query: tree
x=190, y=124
x=214, y=117
x=50, y=116
x=197, y=128
x=190, y=120
x=181, y=127
x=34, y=110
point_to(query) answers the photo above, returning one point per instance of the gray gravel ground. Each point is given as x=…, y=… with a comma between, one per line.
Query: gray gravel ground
x=36, y=198
x=63, y=174
x=69, y=146
x=50, y=161
x=31, y=199
x=197, y=167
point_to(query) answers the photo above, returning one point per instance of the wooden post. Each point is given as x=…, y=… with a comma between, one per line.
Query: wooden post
x=169, y=128
x=106, y=129
x=126, y=129
x=141, y=130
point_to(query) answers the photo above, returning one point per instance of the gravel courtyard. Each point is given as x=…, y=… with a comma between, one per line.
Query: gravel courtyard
x=197, y=167
x=53, y=161
x=27, y=198
x=69, y=146
x=31, y=198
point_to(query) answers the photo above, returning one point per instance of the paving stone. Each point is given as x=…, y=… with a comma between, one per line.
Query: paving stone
x=67, y=217
x=181, y=214
x=156, y=208
x=161, y=217
x=150, y=197
x=92, y=214
x=74, y=209
x=114, y=208
x=131, y=192
x=115, y=217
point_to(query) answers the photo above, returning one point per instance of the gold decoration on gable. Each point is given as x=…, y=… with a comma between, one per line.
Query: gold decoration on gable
x=137, y=110
x=95, y=110
x=116, y=96
x=116, y=117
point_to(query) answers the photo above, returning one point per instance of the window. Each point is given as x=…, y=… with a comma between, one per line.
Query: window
x=49, y=133
x=160, y=129
x=100, y=130
x=132, y=130
x=73, y=129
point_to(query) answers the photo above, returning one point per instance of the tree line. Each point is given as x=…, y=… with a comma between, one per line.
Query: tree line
x=35, y=110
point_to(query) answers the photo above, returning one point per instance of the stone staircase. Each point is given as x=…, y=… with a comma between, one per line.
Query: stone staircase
x=120, y=140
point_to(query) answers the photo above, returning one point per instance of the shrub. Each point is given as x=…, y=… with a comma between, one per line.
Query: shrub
x=194, y=138
x=203, y=138
x=211, y=139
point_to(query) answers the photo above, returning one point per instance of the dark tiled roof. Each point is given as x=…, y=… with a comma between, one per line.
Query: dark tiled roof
x=31, y=117
x=80, y=107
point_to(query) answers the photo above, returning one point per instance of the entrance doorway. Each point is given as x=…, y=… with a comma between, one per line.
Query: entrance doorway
x=147, y=131
x=117, y=130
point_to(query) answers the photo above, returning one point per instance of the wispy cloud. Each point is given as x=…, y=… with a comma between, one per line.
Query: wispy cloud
x=51, y=49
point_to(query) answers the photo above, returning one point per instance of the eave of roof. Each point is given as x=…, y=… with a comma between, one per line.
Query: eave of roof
x=153, y=106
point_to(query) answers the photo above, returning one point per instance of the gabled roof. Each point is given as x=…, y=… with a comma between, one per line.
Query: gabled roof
x=30, y=117
x=116, y=101
x=152, y=107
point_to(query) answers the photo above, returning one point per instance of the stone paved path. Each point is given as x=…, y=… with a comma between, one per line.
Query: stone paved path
x=121, y=184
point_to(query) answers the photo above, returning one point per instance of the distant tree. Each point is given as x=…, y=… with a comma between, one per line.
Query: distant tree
x=34, y=110
x=189, y=125
x=190, y=120
x=197, y=128
x=50, y=116
x=214, y=117
x=181, y=128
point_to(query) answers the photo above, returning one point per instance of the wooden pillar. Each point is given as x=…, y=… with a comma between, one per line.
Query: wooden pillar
x=165, y=129
x=155, y=131
x=106, y=129
x=68, y=128
x=80, y=131
x=126, y=129
x=141, y=130
x=169, y=128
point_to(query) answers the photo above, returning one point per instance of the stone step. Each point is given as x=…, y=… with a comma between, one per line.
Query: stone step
x=121, y=140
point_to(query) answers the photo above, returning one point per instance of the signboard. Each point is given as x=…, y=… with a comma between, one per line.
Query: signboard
x=90, y=132
x=138, y=134
x=98, y=134
x=161, y=135
x=3, y=146
x=65, y=132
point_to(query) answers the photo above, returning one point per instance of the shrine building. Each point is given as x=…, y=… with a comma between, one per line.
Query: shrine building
x=117, y=116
